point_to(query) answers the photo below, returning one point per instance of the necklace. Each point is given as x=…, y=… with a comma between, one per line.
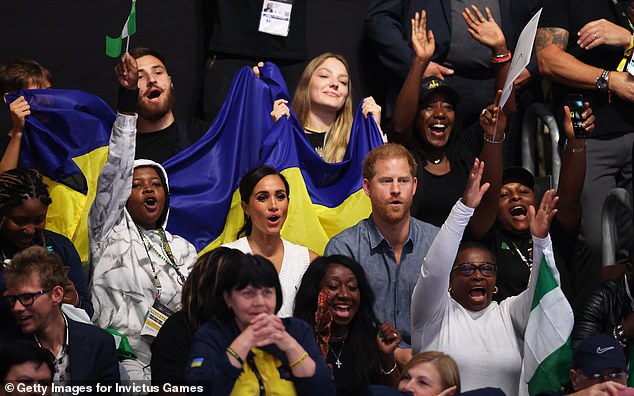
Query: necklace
x=436, y=161
x=337, y=355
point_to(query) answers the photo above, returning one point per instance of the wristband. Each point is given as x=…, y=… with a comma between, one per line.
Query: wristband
x=574, y=149
x=127, y=100
x=486, y=139
x=235, y=355
x=300, y=360
x=502, y=57
x=390, y=371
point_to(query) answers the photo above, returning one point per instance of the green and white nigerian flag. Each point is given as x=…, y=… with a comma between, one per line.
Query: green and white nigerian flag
x=113, y=44
x=547, y=353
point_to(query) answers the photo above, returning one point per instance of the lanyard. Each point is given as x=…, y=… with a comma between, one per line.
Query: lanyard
x=170, y=260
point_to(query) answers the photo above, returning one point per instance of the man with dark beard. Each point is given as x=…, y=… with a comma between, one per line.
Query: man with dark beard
x=160, y=136
x=390, y=244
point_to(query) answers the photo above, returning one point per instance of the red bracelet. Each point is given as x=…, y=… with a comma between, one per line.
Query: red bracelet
x=501, y=58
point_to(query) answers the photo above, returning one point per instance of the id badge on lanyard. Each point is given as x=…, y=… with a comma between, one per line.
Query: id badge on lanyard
x=275, y=18
x=156, y=316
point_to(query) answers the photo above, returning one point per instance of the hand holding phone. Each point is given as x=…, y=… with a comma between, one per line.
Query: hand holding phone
x=575, y=104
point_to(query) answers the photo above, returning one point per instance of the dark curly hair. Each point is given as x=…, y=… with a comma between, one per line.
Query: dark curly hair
x=19, y=184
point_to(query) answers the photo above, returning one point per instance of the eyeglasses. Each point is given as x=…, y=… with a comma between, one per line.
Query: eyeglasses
x=26, y=299
x=618, y=376
x=468, y=269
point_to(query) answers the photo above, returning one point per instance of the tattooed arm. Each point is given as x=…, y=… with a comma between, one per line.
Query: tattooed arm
x=556, y=63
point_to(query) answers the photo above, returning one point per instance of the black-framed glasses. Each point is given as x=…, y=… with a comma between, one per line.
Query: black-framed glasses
x=617, y=376
x=26, y=299
x=468, y=269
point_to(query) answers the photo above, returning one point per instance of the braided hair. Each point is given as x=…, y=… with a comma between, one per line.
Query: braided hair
x=18, y=185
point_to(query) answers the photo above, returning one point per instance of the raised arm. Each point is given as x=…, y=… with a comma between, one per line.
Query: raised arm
x=407, y=101
x=19, y=109
x=487, y=32
x=430, y=295
x=573, y=171
x=115, y=180
x=540, y=220
x=493, y=122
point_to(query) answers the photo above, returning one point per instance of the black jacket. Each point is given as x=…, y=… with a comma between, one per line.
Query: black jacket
x=604, y=309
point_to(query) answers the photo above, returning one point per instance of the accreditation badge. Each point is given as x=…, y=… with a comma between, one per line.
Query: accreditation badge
x=156, y=316
x=275, y=18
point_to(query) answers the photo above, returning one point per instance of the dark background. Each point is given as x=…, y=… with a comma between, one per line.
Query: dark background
x=68, y=37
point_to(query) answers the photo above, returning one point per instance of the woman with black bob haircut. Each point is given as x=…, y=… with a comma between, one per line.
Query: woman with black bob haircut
x=336, y=299
x=247, y=348
x=172, y=345
x=265, y=198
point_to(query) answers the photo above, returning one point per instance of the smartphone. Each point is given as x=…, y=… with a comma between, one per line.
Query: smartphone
x=575, y=104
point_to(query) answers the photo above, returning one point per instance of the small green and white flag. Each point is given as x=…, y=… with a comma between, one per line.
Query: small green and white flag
x=113, y=44
x=547, y=352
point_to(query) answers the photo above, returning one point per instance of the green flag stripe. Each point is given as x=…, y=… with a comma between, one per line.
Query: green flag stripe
x=545, y=282
x=132, y=20
x=552, y=373
x=113, y=46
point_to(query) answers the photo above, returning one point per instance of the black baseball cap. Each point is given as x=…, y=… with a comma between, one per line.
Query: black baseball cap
x=431, y=85
x=598, y=353
x=517, y=174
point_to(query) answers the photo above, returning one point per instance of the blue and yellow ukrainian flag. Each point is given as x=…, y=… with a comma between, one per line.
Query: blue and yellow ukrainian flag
x=325, y=198
x=66, y=139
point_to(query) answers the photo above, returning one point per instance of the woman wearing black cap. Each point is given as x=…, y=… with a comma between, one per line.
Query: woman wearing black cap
x=505, y=227
x=425, y=120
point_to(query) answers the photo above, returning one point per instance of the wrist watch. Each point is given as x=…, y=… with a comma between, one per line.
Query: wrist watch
x=602, y=81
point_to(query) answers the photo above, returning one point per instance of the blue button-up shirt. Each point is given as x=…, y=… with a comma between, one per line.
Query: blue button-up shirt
x=391, y=282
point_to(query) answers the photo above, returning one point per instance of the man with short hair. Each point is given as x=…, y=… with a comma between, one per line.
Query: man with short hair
x=599, y=367
x=83, y=353
x=23, y=362
x=160, y=135
x=390, y=244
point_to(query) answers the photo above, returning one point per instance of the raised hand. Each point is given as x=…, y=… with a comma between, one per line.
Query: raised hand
x=388, y=339
x=484, y=29
x=423, y=42
x=280, y=109
x=19, y=109
x=493, y=120
x=588, y=125
x=127, y=72
x=541, y=219
x=602, y=31
x=370, y=106
x=474, y=192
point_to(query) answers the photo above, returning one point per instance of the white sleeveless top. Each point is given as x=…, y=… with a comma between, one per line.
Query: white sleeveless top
x=294, y=264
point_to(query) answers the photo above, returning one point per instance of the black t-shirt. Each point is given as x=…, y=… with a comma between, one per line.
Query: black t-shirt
x=513, y=269
x=316, y=140
x=170, y=350
x=158, y=146
x=614, y=117
x=235, y=31
x=161, y=145
x=436, y=194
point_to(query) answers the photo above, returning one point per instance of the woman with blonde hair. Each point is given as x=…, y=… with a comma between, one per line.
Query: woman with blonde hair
x=430, y=373
x=323, y=105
